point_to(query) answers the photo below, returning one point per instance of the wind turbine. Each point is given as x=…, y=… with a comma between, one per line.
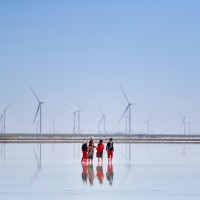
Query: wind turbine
x=53, y=125
x=126, y=118
x=79, y=121
x=78, y=110
x=98, y=125
x=39, y=108
x=4, y=118
x=1, y=119
x=128, y=108
x=183, y=125
x=74, y=113
x=189, y=127
x=103, y=119
x=148, y=124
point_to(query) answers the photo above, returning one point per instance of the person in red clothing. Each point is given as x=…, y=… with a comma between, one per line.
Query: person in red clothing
x=84, y=151
x=100, y=148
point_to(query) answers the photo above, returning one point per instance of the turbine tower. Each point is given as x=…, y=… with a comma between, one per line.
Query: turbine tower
x=1, y=119
x=3, y=116
x=98, y=125
x=189, y=127
x=79, y=121
x=74, y=113
x=126, y=118
x=148, y=124
x=103, y=119
x=128, y=108
x=39, y=109
x=184, y=125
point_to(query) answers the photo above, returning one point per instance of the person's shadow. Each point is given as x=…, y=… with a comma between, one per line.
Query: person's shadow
x=110, y=173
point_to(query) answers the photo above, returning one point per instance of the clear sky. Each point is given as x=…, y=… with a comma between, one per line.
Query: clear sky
x=79, y=52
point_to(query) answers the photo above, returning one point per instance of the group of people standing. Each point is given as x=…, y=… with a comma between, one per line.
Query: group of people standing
x=88, y=150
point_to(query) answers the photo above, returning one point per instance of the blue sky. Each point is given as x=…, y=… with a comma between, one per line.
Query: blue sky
x=79, y=52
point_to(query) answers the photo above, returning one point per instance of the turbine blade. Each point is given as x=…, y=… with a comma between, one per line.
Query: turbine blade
x=124, y=113
x=81, y=110
x=75, y=107
x=68, y=110
x=7, y=106
x=124, y=94
x=133, y=104
x=46, y=100
x=34, y=94
x=101, y=110
x=149, y=120
x=101, y=119
x=37, y=112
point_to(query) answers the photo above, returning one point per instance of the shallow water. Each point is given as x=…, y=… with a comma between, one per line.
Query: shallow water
x=138, y=171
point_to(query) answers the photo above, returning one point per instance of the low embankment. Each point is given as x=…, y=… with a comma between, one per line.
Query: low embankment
x=117, y=138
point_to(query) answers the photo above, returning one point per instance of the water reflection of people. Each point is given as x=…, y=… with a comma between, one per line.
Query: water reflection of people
x=84, y=174
x=91, y=174
x=110, y=173
x=100, y=174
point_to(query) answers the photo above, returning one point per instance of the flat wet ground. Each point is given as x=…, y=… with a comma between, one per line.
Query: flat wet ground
x=138, y=171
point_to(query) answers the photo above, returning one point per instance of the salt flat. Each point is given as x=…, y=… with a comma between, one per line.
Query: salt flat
x=138, y=171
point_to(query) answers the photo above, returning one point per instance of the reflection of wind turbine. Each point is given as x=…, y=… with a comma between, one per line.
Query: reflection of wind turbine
x=148, y=127
x=128, y=166
x=4, y=118
x=39, y=165
x=183, y=125
x=103, y=119
x=127, y=108
x=39, y=108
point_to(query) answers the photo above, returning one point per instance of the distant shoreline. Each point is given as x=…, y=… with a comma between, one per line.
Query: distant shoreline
x=117, y=138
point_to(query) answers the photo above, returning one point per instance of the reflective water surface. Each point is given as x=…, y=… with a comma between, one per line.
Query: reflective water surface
x=138, y=171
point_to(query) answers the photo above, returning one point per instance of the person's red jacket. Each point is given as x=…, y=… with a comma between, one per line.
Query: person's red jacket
x=100, y=147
